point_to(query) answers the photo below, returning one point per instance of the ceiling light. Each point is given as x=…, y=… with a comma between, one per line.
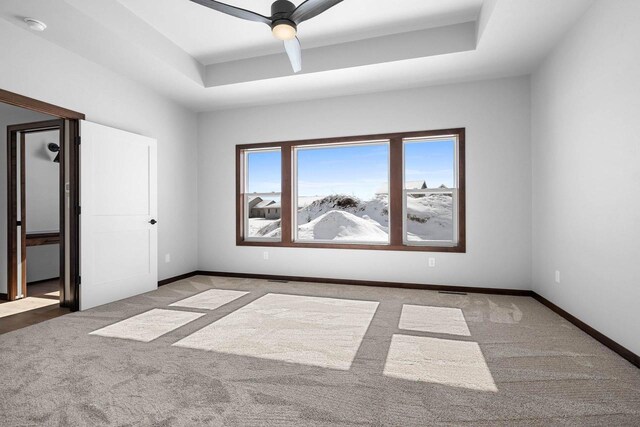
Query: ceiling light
x=35, y=25
x=284, y=31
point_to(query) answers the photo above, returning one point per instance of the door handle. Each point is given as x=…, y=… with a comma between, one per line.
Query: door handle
x=153, y=222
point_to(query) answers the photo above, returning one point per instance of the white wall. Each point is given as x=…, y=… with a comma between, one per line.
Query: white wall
x=33, y=67
x=42, y=183
x=9, y=116
x=42, y=199
x=496, y=115
x=586, y=172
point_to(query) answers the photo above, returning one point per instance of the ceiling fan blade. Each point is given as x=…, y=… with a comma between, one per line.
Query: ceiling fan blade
x=294, y=51
x=234, y=11
x=311, y=8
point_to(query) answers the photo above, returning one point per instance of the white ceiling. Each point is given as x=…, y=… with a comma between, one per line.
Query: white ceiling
x=179, y=48
x=211, y=37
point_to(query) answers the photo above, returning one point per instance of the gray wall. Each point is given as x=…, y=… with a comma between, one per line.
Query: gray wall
x=497, y=117
x=42, y=194
x=586, y=172
x=55, y=75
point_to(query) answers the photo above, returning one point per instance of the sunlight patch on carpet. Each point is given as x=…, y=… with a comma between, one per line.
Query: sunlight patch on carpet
x=26, y=304
x=439, y=361
x=441, y=320
x=209, y=300
x=148, y=326
x=315, y=331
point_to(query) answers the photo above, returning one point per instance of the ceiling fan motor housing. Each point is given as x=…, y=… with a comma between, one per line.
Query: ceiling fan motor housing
x=280, y=12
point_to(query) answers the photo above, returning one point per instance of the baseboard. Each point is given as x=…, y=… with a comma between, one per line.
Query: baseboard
x=42, y=281
x=4, y=297
x=176, y=278
x=599, y=336
x=496, y=291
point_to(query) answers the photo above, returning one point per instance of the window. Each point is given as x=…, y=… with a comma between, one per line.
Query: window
x=341, y=193
x=430, y=210
x=262, y=194
x=402, y=191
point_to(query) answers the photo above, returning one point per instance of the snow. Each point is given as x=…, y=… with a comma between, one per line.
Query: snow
x=341, y=217
x=430, y=217
x=261, y=227
x=340, y=225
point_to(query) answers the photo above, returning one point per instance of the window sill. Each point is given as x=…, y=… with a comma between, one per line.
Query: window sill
x=369, y=247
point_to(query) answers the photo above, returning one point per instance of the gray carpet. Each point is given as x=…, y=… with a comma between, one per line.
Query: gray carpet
x=541, y=369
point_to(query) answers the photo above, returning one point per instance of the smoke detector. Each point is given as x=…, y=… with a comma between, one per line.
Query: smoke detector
x=35, y=25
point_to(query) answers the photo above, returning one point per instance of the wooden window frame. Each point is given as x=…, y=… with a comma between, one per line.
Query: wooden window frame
x=396, y=186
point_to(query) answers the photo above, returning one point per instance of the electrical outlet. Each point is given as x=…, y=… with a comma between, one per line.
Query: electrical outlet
x=432, y=262
x=167, y=258
x=557, y=276
x=265, y=255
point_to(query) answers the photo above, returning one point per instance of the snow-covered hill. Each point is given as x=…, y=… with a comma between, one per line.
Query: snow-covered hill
x=340, y=217
x=340, y=225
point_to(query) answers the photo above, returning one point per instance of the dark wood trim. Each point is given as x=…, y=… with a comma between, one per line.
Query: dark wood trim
x=42, y=239
x=286, y=205
x=369, y=247
x=176, y=278
x=61, y=212
x=23, y=213
x=621, y=350
x=72, y=300
x=12, y=200
x=39, y=106
x=35, y=282
x=599, y=336
x=12, y=208
x=355, y=138
x=462, y=194
x=396, y=240
x=395, y=193
x=72, y=124
x=239, y=201
x=426, y=287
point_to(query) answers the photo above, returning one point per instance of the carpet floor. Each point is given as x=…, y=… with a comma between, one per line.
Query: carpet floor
x=244, y=352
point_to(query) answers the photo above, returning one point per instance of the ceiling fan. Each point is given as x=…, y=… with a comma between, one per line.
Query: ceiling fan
x=284, y=20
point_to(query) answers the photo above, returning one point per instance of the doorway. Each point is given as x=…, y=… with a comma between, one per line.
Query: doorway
x=42, y=227
x=35, y=161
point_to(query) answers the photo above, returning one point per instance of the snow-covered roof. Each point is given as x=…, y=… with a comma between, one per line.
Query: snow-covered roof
x=409, y=185
x=264, y=204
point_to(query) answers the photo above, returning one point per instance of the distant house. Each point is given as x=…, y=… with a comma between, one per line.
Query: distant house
x=268, y=209
x=254, y=201
x=409, y=185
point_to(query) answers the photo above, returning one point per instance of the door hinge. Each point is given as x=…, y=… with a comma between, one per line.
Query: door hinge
x=79, y=210
x=77, y=140
x=79, y=280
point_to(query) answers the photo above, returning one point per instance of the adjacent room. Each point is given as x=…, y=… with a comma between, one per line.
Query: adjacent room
x=319, y=212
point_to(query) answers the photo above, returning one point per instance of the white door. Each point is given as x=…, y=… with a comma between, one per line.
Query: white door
x=118, y=200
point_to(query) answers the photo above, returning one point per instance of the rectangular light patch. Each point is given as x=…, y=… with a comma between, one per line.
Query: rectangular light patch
x=148, y=326
x=439, y=320
x=209, y=300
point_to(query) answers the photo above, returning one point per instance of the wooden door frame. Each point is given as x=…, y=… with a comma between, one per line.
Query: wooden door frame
x=71, y=127
x=21, y=130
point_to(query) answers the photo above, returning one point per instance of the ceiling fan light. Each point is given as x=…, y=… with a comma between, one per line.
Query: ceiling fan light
x=284, y=31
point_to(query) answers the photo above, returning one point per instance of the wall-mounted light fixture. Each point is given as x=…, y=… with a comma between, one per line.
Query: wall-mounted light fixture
x=54, y=148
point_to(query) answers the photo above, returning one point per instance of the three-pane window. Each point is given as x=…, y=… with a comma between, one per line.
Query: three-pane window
x=395, y=192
